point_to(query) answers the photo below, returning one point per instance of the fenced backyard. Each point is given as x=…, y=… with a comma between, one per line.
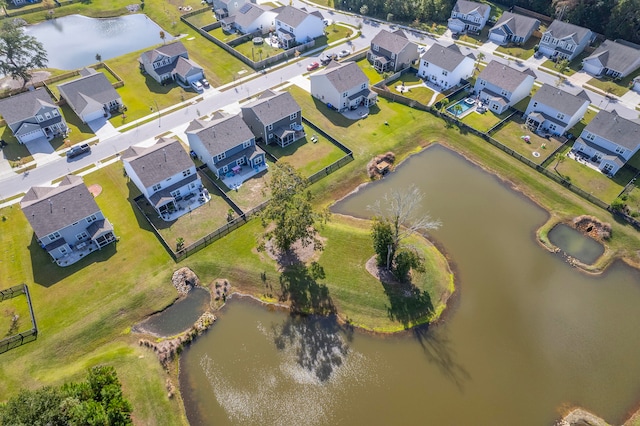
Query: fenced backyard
x=16, y=306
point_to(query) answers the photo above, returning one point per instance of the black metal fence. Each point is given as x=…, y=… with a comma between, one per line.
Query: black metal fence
x=26, y=336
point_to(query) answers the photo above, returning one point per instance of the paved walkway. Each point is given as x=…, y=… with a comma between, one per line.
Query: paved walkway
x=102, y=128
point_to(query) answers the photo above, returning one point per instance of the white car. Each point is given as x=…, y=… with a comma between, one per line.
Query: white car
x=197, y=86
x=343, y=53
x=422, y=49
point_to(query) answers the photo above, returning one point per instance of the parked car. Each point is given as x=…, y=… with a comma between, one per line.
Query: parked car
x=328, y=58
x=343, y=54
x=327, y=22
x=421, y=49
x=312, y=66
x=537, y=55
x=197, y=86
x=205, y=83
x=78, y=150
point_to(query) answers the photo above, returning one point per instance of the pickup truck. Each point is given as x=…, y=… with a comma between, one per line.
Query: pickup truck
x=78, y=150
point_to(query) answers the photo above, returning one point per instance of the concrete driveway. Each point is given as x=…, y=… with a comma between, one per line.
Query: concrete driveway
x=103, y=128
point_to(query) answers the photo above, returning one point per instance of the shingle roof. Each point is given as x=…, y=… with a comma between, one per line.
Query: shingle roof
x=445, y=57
x=392, y=41
x=559, y=99
x=222, y=133
x=343, y=76
x=171, y=50
x=86, y=93
x=158, y=162
x=466, y=7
x=610, y=126
x=24, y=105
x=615, y=56
x=272, y=107
x=248, y=13
x=291, y=16
x=518, y=25
x=561, y=30
x=504, y=76
x=184, y=66
x=49, y=209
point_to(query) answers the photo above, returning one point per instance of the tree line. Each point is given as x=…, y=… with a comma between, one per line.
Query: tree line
x=615, y=19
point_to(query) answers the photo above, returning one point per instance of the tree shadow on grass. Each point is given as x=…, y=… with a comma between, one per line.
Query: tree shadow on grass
x=299, y=285
x=407, y=303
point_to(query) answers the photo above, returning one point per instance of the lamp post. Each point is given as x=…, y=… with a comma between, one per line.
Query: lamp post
x=157, y=109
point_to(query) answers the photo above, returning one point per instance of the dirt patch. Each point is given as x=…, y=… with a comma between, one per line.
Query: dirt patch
x=95, y=190
x=184, y=279
x=592, y=227
x=8, y=83
x=298, y=254
x=379, y=272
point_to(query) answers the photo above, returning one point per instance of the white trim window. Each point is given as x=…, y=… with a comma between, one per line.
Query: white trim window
x=590, y=137
x=156, y=187
x=186, y=173
x=221, y=156
x=53, y=236
x=620, y=150
x=82, y=236
x=246, y=144
x=293, y=116
x=92, y=218
x=270, y=127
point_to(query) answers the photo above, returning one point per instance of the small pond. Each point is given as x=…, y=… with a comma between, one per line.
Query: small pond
x=179, y=316
x=73, y=41
x=576, y=244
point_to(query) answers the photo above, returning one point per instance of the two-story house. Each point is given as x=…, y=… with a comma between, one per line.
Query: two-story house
x=295, y=26
x=249, y=19
x=274, y=118
x=445, y=66
x=513, y=28
x=555, y=111
x=468, y=16
x=226, y=145
x=66, y=220
x=500, y=86
x=615, y=58
x=392, y=51
x=563, y=40
x=170, y=62
x=224, y=8
x=32, y=115
x=164, y=173
x=609, y=141
x=342, y=86
x=91, y=96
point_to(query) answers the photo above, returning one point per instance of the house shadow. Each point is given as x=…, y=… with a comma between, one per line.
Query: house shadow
x=157, y=88
x=47, y=273
x=143, y=223
x=336, y=118
x=299, y=285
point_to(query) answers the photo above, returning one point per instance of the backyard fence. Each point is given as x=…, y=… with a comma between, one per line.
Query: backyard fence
x=19, y=339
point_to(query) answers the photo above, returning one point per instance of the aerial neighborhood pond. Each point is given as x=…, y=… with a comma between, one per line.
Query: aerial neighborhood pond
x=73, y=41
x=527, y=336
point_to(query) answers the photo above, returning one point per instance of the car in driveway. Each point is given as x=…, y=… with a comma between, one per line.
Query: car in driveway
x=343, y=53
x=197, y=86
x=312, y=66
x=78, y=150
x=537, y=55
x=205, y=83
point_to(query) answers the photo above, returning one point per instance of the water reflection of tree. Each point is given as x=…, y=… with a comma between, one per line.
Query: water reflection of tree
x=316, y=341
x=438, y=350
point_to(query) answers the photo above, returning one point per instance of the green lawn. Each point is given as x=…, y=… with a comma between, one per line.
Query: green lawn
x=222, y=35
x=511, y=135
x=78, y=131
x=483, y=122
x=334, y=32
x=421, y=94
x=574, y=66
x=616, y=87
x=592, y=181
x=257, y=52
x=580, y=125
x=476, y=39
x=369, y=71
x=15, y=152
x=14, y=316
x=524, y=51
x=201, y=19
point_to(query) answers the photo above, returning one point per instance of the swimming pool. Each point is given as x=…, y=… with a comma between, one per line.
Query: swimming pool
x=457, y=112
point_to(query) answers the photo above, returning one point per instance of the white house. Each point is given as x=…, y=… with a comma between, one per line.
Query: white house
x=295, y=26
x=513, y=28
x=469, y=16
x=445, y=66
x=500, y=86
x=164, y=173
x=555, y=111
x=90, y=96
x=342, y=86
x=609, y=141
x=250, y=18
x=564, y=40
x=224, y=8
x=615, y=58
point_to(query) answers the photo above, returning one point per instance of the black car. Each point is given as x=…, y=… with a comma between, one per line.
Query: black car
x=78, y=150
x=328, y=58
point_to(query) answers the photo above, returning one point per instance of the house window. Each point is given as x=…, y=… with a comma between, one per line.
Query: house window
x=293, y=126
x=293, y=116
x=345, y=94
x=364, y=86
x=590, y=137
x=91, y=218
x=220, y=156
x=257, y=160
x=535, y=104
x=47, y=115
x=40, y=119
x=82, y=236
x=483, y=83
x=494, y=106
x=156, y=187
x=54, y=112
x=246, y=144
x=62, y=249
x=426, y=64
x=186, y=173
x=175, y=193
x=225, y=169
x=375, y=47
x=504, y=93
x=552, y=126
x=444, y=72
x=240, y=161
x=53, y=236
x=270, y=127
x=620, y=150
x=560, y=116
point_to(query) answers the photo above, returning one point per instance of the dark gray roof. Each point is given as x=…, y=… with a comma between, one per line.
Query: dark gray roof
x=164, y=195
x=99, y=227
x=445, y=57
x=50, y=209
x=222, y=133
x=248, y=13
x=466, y=7
x=171, y=50
x=85, y=93
x=392, y=41
x=343, y=75
x=518, y=25
x=615, y=56
x=561, y=30
x=504, y=76
x=559, y=99
x=158, y=162
x=184, y=66
x=291, y=16
x=272, y=107
x=612, y=127
x=24, y=105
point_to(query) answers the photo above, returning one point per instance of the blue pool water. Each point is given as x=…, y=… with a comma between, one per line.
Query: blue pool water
x=464, y=108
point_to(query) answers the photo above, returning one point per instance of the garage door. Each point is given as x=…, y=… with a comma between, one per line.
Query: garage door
x=31, y=136
x=93, y=116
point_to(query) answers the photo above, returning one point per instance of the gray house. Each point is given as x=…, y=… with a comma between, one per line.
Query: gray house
x=468, y=16
x=563, y=40
x=555, y=111
x=615, y=58
x=170, y=62
x=227, y=146
x=392, y=51
x=513, y=28
x=91, y=96
x=66, y=220
x=224, y=8
x=32, y=115
x=274, y=118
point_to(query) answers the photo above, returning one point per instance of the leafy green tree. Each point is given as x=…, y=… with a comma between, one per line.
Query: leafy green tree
x=382, y=236
x=290, y=210
x=559, y=159
x=20, y=52
x=3, y=5
x=38, y=407
x=364, y=9
x=406, y=260
x=625, y=21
